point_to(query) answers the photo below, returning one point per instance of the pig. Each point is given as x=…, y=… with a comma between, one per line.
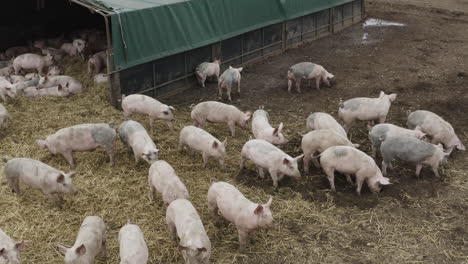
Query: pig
x=31, y=61
x=268, y=157
x=79, y=138
x=75, y=48
x=365, y=109
x=57, y=54
x=163, y=179
x=101, y=78
x=16, y=51
x=135, y=137
x=437, y=128
x=6, y=90
x=10, y=249
x=7, y=71
x=91, y=240
x=133, y=248
x=21, y=86
x=380, y=132
x=216, y=112
x=319, y=120
x=142, y=104
x=97, y=63
x=228, y=79
x=184, y=222
x=319, y=141
x=6, y=63
x=349, y=160
x=4, y=119
x=40, y=44
x=51, y=181
x=17, y=79
x=198, y=139
x=262, y=129
x=31, y=76
x=54, y=71
x=307, y=71
x=51, y=91
x=70, y=84
x=414, y=151
x=206, y=70
x=246, y=215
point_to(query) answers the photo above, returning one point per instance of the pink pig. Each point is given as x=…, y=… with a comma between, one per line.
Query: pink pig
x=244, y=214
x=163, y=179
x=307, y=71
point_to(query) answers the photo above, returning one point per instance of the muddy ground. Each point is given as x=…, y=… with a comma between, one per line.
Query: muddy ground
x=412, y=221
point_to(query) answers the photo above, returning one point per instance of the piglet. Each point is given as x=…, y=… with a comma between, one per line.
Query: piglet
x=437, y=128
x=216, y=112
x=7, y=90
x=244, y=214
x=16, y=51
x=349, y=160
x=268, y=157
x=206, y=70
x=142, y=104
x=163, y=179
x=101, y=78
x=365, y=109
x=97, y=63
x=136, y=139
x=133, y=249
x=51, y=91
x=70, y=84
x=51, y=181
x=7, y=71
x=414, y=151
x=54, y=70
x=228, y=79
x=183, y=221
x=262, y=129
x=307, y=71
x=380, y=132
x=79, y=138
x=31, y=61
x=91, y=240
x=319, y=141
x=319, y=120
x=198, y=139
x=17, y=79
x=4, y=119
x=75, y=48
x=10, y=249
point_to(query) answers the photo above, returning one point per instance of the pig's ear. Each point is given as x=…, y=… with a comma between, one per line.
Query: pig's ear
x=356, y=145
x=172, y=108
x=381, y=94
x=299, y=157
x=66, y=85
x=258, y=210
x=62, y=249
x=392, y=97
x=384, y=181
x=461, y=147
x=71, y=174
x=230, y=67
x=46, y=78
x=418, y=128
x=225, y=142
x=240, y=69
x=280, y=128
x=275, y=132
x=19, y=245
x=60, y=88
x=41, y=143
x=60, y=178
x=268, y=204
x=81, y=250
x=215, y=144
x=286, y=161
x=248, y=115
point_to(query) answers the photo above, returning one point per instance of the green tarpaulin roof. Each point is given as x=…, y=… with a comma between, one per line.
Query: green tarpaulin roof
x=145, y=30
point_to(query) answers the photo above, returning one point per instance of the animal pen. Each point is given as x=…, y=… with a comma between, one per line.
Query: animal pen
x=155, y=46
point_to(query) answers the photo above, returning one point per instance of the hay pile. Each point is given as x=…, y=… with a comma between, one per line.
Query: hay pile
x=311, y=224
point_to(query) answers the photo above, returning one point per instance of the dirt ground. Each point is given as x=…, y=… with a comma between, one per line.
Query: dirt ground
x=412, y=221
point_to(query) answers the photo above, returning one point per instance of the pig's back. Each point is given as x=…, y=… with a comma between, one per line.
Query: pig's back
x=408, y=149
